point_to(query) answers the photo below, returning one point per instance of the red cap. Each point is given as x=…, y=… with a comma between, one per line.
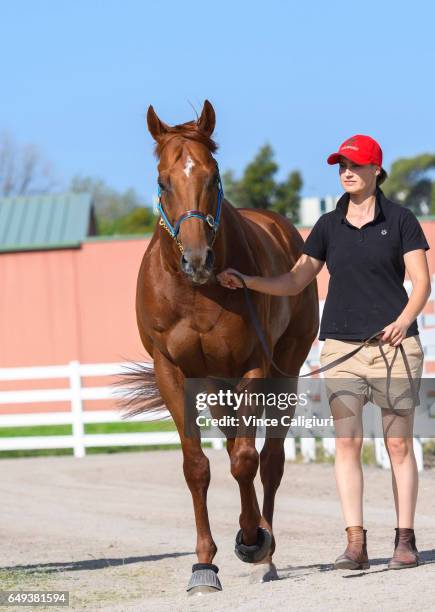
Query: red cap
x=359, y=149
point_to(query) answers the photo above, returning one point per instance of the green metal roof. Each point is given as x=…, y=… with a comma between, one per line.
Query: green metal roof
x=46, y=221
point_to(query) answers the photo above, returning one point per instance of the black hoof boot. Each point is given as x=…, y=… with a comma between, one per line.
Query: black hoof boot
x=255, y=552
x=204, y=579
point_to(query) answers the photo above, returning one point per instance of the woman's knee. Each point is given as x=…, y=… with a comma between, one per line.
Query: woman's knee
x=399, y=448
x=348, y=446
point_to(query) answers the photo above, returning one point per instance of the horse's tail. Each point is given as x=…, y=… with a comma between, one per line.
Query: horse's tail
x=137, y=391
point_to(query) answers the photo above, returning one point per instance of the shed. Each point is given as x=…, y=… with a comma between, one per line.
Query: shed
x=49, y=221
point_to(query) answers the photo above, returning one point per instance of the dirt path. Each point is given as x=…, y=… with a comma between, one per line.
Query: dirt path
x=117, y=532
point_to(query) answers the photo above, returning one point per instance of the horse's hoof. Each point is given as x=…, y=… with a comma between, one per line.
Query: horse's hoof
x=264, y=572
x=204, y=579
x=255, y=552
x=202, y=590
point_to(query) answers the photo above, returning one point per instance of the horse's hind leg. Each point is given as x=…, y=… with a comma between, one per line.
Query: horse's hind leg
x=196, y=469
x=271, y=471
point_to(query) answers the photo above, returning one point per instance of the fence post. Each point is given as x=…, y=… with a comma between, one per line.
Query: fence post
x=308, y=449
x=217, y=443
x=260, y=438
x=78, y=430
x=290, y=449
x=329, y=446
x=381, y=454
x=418, y=452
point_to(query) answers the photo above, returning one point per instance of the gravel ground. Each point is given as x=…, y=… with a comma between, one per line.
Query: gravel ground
x=117, y=532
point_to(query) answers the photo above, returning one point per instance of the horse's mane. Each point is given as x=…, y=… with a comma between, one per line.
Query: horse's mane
x=187, y=131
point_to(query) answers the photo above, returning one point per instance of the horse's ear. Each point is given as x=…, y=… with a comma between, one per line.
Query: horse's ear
x=156, y=127
x=207, y=121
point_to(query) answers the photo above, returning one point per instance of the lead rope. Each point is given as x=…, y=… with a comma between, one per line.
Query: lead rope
x=330, y=365
x=389, y=368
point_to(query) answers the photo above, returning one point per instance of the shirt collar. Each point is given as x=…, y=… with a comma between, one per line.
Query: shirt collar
x=343, y=203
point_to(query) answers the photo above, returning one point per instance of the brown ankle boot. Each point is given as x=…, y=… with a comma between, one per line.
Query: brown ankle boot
x=405, y=550
x=355, y=556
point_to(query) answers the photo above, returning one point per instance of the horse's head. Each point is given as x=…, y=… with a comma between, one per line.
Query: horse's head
x=189, y=182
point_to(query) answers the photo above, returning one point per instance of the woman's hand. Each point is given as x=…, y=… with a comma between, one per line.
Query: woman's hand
x=290, y=283
x=228, y=279
x=395, y=332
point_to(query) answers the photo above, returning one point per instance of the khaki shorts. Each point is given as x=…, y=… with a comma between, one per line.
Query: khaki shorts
x=365, y=374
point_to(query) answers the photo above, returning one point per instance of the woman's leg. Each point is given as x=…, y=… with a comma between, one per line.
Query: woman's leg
x=398, y=407
x=399, y=443
x=403, y=465
x=347, y=413
x=347, y=393
x=396, y=397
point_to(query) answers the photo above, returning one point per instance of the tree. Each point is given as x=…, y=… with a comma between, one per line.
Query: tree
x=410, y=182
x=141, y=220
x=23, y=169
x=288, y=199
x=116, y=212
x=231, y=187
x=109, y=203
x=258, y=188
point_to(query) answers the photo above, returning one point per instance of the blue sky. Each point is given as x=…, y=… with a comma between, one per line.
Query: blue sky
x=77, y=78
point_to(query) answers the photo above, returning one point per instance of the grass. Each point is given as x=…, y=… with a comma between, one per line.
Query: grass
x=321, y=455
x=368, y=456
x=20, y=579
x=429, y=454
x=90, y=428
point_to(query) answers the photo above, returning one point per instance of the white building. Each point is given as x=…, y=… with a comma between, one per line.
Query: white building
x=312, y=208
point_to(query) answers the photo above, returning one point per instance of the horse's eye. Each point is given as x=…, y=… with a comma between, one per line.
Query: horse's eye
x=161, y=185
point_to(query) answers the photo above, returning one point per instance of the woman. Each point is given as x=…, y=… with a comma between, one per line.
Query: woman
x=367, y=242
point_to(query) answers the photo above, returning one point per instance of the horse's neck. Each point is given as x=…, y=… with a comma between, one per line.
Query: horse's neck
x=236, y=245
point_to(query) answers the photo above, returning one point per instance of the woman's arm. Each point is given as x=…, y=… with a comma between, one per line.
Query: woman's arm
x=417, y=268
x=291, y=283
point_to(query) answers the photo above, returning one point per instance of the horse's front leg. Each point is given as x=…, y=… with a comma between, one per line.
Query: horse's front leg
x=252, y=542
x=196, y=470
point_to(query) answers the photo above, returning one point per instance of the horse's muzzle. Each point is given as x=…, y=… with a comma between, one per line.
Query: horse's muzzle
x=198, y=264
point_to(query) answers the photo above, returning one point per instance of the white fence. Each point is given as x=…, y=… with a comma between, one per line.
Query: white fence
x=75, y=394
x=308, y=449
x=77, y=417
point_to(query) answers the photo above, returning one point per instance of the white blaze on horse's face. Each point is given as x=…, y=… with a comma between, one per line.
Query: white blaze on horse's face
x=188, y=166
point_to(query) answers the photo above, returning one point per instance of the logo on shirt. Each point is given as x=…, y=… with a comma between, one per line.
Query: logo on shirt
x=384, y=232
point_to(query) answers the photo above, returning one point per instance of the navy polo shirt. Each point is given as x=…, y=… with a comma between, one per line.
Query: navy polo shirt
x=366, y=267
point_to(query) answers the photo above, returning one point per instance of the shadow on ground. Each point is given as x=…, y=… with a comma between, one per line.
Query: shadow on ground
x=90, y=564
x=299, y=571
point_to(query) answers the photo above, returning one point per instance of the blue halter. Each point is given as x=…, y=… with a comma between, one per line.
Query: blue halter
x=213, y=222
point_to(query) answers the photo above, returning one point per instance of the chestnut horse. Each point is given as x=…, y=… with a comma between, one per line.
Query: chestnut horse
x=194, y=328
